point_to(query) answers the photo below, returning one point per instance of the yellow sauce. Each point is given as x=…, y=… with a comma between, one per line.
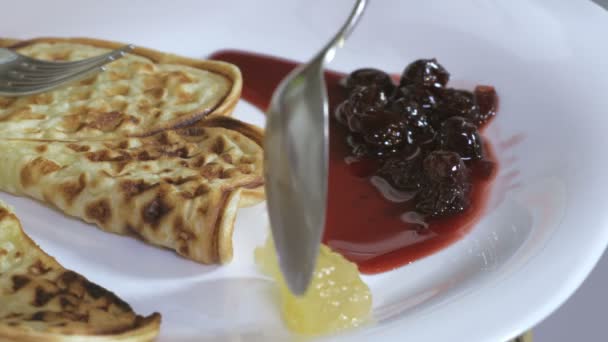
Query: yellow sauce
x=337, y=298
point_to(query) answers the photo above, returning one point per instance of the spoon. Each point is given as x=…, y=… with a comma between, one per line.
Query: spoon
x=296, y=153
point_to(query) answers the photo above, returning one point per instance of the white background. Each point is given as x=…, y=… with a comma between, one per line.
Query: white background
x=583, y=316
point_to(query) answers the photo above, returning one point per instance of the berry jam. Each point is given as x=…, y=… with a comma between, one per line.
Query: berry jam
x=409, y=169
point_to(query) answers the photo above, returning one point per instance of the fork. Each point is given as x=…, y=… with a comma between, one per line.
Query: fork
x=22, y=75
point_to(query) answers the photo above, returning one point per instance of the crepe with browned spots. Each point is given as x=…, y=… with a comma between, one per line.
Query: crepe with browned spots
x=141, y=93
x=43, y=301
x=178, y=189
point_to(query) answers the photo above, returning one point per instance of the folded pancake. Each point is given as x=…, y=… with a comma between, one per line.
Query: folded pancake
x=178, y=189
x=43, y=301
x=144, y=92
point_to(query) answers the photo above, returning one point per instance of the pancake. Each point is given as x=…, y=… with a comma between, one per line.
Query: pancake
x=178, y=189
x=43, y=301
x=142, y=93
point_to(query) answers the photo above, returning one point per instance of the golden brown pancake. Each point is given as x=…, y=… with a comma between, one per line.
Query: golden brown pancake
x=141, y=93
x=43, y=301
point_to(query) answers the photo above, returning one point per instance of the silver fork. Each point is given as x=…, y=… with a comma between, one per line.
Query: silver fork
x=22, y=75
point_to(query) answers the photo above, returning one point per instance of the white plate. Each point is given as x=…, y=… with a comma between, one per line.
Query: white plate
x=547, y=223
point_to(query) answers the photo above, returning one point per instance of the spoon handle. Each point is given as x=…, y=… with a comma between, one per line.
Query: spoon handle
x=328, y=53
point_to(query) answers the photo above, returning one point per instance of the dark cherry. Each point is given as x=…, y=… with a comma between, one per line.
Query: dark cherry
x=445, y=167
x=405, y=106
x=383, y=129
x=361, y=149
x=404, y=172
x=454, y=102
x=461, y=136
x=443, y=200
x=425, y=72
x=366, y=97
x=423, y=97
x=364, y=101
x=446, y=185
x=487, y=100
x=418, y=129
x=367, y=77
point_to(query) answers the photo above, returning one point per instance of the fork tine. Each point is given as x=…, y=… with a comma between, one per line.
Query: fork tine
x=35, y=78
x=57, y=79
x=50, y=66
x=100, y=65
x=33, y=88
x=32, y=64
x=38, y=76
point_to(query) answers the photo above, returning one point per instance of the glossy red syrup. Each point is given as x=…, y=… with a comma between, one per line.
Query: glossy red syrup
x=362, y=224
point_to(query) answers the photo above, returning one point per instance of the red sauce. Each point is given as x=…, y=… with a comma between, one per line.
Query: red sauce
x=361, y=224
